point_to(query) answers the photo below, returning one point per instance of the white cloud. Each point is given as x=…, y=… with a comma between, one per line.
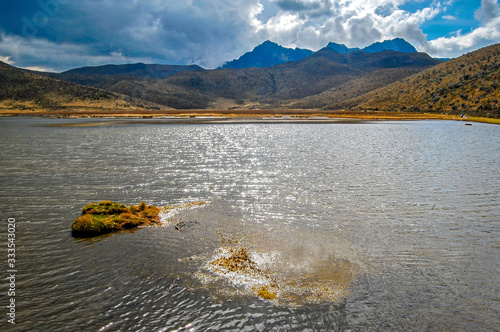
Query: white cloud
x=208, y=32
x=488, y=33
x=488, y=11
x=6, y=59
x=40, y=69
x=462, y=43
x=356, y=23
x=23, y=52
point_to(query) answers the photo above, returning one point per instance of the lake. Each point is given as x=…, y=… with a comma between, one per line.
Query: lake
x=353, y=226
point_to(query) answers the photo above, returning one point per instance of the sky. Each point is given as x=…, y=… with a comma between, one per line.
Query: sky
x=57, y=35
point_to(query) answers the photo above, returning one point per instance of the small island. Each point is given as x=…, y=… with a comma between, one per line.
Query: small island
x=106, y=217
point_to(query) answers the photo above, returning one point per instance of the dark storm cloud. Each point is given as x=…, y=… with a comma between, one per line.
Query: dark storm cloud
x=297, y=5
x=308, y=9
x=198, y=31
x=63, y=34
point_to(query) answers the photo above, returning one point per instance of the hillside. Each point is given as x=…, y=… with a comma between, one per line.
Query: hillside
x=262, y=85
x=467, y=84
x=23, y=90
x=335, y=98
x=252, y=87
x=266, y=87
x=134, y=70
x=104, y=77
x=303, y=78
x=138, y=81
x=313, y=75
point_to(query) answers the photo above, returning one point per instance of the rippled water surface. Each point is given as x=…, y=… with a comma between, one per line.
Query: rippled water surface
x=355, y=227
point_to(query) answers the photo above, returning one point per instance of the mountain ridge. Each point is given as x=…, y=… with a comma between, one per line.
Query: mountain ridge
x=326, y=80
x=269, y=53
x=136, y=69
x=467, y=84
x=25, y=90
x=312, y=75
x=397, y=44
x=265, y=86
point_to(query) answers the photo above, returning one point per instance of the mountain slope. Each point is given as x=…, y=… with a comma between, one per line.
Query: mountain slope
x=269, y=54
x=379, y=70
x=134, y=70
x=336, y=97
x=397, y=44
x=340, y=48
x=136, y=81
x=313, y=75
x=468, y=84
x=266, y=55
x=20, y=89
x=107, y=76
x=310, y=82
x=378, y=60
x=309, y=76
x=18, y=86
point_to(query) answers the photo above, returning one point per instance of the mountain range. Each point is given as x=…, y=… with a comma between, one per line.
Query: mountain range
x=334, y=77
x=270, y=54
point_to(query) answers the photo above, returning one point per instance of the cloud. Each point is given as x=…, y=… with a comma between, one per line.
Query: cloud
x=26, y=52
x=461, y=43
x=309, y=8
x=6, y=59
x=486, y=34
x=39, y=69
x=175, y=32
x=356, y=23
x=62, y=34
x=363, y=30
x=488, y=11
x=298, y=5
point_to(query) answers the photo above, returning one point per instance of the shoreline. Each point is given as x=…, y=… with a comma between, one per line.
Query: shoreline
x=254, y=116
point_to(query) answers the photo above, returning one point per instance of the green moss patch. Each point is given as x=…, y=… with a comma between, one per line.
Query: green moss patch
x=106, y=217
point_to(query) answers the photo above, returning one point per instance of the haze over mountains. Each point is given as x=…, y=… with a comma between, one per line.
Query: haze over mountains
x=334, y=77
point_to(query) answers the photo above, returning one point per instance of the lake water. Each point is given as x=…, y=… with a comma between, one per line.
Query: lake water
x=363, y=226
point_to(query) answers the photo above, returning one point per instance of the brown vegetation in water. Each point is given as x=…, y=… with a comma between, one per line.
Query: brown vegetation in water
x=106, y=217
x=238, y=261
x=264, y=293
x=277, y=276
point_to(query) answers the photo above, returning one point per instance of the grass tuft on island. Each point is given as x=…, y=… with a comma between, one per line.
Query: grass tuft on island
x=106, y=217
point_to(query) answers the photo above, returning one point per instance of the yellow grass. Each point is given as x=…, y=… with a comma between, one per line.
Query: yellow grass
x=484, y=120
x=284, y=114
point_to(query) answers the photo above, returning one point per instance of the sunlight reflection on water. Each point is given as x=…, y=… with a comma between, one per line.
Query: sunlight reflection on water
x=412, y=208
